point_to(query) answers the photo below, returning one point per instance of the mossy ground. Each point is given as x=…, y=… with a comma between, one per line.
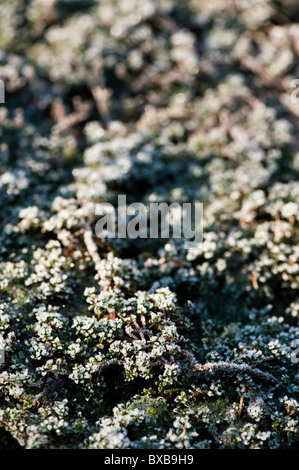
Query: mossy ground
x=154, y=346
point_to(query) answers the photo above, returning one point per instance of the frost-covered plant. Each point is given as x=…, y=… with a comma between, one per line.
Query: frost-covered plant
x=116, y=343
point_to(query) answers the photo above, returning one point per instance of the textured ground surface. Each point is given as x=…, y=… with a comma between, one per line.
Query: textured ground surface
x=147, y=344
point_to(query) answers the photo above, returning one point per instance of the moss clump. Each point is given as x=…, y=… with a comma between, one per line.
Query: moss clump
x=146, y=344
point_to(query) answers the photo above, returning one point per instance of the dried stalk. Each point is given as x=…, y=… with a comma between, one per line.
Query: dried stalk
x=91, y=247
x=230, y=367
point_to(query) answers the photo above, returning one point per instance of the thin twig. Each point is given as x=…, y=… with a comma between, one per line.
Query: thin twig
x=91, y=247
x=240, y=407
x=112, y=362
x=229, y=367
x=223, y=366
